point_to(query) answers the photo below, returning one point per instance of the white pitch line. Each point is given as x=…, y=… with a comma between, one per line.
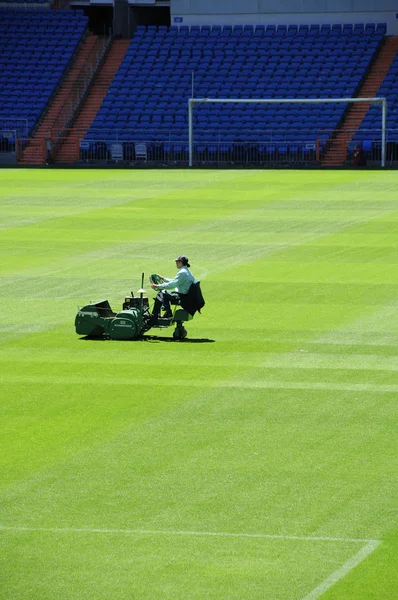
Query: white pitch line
x=191, y=533
x=349, y=565
x=342, y=571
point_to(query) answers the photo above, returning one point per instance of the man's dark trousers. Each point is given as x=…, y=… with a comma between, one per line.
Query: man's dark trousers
x=165, y=298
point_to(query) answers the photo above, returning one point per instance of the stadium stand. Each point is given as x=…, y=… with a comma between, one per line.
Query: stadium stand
x=36, y=47
x=347, y=137
x=389, y=90
x=147, y=100
x=163, y=66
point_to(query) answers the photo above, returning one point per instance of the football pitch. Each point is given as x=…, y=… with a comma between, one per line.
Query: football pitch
x=256, y=460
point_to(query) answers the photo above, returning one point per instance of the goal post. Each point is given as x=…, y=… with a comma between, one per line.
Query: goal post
x=193, y=101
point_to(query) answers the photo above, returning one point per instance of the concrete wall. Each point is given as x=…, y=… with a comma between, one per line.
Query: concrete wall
x=295, y=12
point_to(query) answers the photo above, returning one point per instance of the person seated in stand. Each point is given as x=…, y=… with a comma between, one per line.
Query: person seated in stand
x=181, y=284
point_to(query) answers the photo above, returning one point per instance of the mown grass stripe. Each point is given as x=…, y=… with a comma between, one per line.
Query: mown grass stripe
x=192, y=383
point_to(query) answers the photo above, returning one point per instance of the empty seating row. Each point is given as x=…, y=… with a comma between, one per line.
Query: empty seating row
x=218, y=30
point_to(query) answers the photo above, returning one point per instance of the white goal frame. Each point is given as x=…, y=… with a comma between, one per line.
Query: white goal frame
x=193, y=101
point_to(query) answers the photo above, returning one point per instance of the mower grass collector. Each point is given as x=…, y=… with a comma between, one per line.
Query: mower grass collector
x=97, y=319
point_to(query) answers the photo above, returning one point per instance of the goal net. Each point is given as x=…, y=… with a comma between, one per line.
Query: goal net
x=194, y=102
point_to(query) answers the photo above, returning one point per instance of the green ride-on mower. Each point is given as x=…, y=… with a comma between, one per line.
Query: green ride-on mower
x=97, y=319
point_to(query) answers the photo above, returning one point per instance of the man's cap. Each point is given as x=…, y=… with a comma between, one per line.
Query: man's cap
x=183, y=259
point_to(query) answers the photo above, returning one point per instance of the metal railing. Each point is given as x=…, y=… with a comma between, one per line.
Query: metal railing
x=289, y=152
x=134, y=149
x=205, y=152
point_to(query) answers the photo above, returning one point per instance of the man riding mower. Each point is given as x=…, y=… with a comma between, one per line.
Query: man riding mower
x=98, y=319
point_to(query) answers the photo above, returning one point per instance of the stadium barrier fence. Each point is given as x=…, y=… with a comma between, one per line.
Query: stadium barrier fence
x=270, y=150
x=308, y=151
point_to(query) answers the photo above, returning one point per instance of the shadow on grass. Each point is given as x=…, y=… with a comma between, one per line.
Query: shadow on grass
x=156, y=338
x=151, y=338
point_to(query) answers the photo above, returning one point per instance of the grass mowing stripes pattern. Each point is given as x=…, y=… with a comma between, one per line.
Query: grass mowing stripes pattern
x=276, y=420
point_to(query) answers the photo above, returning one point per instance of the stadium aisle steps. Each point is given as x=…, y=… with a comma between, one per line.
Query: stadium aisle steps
x=69, y=150
x=337, y=153
x=33, y=154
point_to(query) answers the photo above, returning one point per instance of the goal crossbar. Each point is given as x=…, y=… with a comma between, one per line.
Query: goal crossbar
x=382, y=101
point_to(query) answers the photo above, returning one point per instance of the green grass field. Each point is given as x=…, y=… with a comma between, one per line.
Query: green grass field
x=255, y=460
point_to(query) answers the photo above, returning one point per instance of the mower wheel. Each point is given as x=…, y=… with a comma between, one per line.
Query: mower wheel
x=180, y=333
